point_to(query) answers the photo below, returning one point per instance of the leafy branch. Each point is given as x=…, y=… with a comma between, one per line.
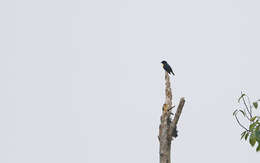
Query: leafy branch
x=252, y=129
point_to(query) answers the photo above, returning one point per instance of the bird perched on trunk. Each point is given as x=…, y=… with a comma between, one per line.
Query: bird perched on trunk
x=167, y=67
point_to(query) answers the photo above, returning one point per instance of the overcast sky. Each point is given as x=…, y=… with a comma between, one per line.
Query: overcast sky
x=81, y=81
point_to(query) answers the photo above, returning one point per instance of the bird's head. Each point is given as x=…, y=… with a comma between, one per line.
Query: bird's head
x=164, y=62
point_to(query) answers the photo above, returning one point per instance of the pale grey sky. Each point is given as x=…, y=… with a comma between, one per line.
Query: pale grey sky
x=81, y=81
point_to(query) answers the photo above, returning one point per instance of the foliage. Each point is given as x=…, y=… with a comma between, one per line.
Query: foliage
x=251, y=131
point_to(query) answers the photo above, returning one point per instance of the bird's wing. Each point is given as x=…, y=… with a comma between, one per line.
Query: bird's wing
x=171, y=70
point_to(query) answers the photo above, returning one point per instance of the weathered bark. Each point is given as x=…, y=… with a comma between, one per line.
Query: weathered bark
x=168, y=127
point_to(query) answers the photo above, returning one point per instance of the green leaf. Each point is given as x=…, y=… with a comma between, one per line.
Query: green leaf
x=257, y=134
x=252, y=139
x=253, y=118
x=242, y=95
x=252, y=126
x=246, y=136
x=258, y=147
x=255, y=104
x=243, y=134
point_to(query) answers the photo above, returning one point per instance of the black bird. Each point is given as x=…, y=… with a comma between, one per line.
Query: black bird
x=167, y=67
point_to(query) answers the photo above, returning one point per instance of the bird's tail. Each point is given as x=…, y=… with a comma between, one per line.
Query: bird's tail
x=173, y=73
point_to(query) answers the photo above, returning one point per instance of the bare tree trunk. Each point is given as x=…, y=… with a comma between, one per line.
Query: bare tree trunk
x=168, y=127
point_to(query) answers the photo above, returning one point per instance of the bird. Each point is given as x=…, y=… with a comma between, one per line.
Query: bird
x=167, y=67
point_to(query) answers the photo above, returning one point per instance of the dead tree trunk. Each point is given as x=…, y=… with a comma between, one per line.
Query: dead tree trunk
x=168, y=126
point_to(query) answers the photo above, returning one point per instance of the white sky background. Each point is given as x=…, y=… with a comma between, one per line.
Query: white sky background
x=81, y=81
